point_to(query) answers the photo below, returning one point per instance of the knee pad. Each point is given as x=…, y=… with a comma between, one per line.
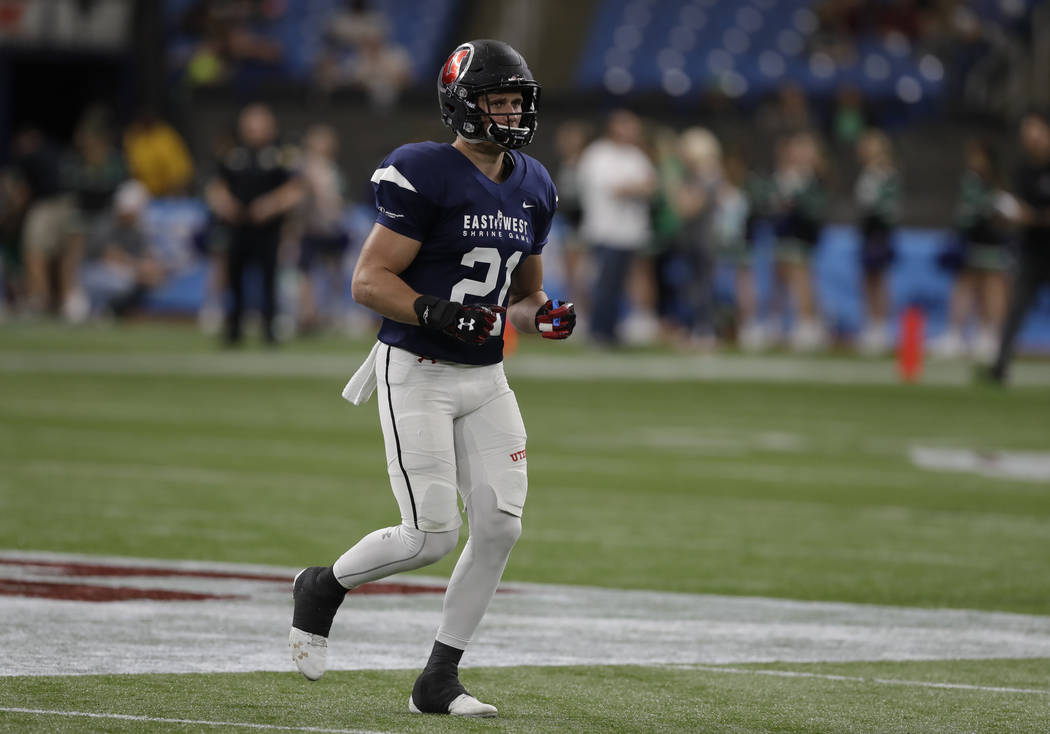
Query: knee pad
x=504, y=533
x=437, y=506
x=433, y=546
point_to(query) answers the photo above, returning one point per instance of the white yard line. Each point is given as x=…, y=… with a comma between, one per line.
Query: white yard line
x=859, y=679
x=194, y=722
x=1030, y=466
x=584, y=366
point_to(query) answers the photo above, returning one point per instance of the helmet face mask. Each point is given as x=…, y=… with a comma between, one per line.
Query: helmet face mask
x=497, y=128
x=475, y=71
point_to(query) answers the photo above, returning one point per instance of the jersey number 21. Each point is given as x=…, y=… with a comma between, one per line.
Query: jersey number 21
x=469, y=287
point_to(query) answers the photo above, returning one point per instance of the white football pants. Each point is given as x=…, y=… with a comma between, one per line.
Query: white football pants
x=451, y=431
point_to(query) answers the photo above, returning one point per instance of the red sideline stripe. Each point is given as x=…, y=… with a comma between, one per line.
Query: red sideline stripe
x=73, y=568
x=91, y=592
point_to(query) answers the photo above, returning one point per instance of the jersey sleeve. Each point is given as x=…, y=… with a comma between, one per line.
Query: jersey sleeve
x=542, y=223
x=401, y=188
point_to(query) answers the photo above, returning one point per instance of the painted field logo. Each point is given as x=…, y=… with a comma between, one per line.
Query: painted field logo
x=105, y=580
x=518, y=455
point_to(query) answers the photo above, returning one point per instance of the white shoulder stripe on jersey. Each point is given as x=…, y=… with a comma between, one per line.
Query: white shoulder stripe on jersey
x=391, y=174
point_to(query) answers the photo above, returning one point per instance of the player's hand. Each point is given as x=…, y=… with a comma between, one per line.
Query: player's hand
x=556, y=320
x=471, y=324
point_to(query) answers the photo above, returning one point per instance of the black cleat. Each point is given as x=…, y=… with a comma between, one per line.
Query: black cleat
x=442, y=693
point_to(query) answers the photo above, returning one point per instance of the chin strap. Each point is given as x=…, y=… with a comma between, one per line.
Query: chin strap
x=506, y=135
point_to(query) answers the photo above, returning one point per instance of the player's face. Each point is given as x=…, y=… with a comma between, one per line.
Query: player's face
x=503, y=108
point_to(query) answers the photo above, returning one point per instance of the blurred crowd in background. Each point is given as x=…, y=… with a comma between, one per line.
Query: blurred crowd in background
x=666, y=234
x=219, y=42
x=648, y=215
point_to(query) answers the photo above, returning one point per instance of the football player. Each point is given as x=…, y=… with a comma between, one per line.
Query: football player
x=454, y=255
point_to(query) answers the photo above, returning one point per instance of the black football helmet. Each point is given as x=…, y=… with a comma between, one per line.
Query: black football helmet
x=481, y=67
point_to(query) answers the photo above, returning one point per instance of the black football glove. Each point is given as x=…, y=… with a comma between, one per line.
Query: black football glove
x=556, y=319
x=471, y=324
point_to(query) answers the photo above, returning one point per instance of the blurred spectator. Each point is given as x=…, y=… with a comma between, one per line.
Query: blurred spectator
x=45, y=221
x=361, y=56
x=1031, y=210
x=617, y=180
x=15, y=198
x=733, y=231
x=157, y=155
x=797, y=201
x=786, y=114
x=570, y=140
x=696, y=203
x=215, y=244
x=231, y=35
x=254, y=189
x=877, y=196
x=119, y=265
x=95, y=168
x=981, y=257
x=92, y=173
x=324, y=240
x=56, y=226
x=850, y=116
x=848, y=20
x=670, y=269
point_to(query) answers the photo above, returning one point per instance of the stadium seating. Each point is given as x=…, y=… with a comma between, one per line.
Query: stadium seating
x=420, y=26
x=745, y=49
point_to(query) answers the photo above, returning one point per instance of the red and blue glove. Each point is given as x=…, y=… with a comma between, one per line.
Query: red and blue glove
x=556, y=320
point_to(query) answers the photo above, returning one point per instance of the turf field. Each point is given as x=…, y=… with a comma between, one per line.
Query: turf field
x=706, y=476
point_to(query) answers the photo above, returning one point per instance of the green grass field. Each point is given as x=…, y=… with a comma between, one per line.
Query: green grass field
x=787, y=490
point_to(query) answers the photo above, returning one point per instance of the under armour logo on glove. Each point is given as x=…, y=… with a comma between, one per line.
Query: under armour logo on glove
x=471, y=324
x=556, y=320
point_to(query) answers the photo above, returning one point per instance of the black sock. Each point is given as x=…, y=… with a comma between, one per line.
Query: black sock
x=438, y=685
x=443, y=658
x=325, y=585
x=318, y=596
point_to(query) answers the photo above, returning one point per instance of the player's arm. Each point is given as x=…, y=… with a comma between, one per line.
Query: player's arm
x=526, y=294
x=530, y=310
x=377, y=284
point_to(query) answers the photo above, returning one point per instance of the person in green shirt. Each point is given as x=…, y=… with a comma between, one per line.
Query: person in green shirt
x=734, y=233
x=981, y=286
x=797, y=203
x=877, y=196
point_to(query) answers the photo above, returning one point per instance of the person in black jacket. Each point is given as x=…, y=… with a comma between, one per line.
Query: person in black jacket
x=1032, y=213
x=255, y=187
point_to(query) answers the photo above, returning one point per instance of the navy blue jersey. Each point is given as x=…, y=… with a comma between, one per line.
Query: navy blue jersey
x=473, y=234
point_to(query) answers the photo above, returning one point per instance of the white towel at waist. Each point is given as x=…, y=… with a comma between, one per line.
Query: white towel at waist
x=361, y=386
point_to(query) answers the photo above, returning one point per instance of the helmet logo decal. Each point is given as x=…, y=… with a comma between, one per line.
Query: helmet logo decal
x=457, y=64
